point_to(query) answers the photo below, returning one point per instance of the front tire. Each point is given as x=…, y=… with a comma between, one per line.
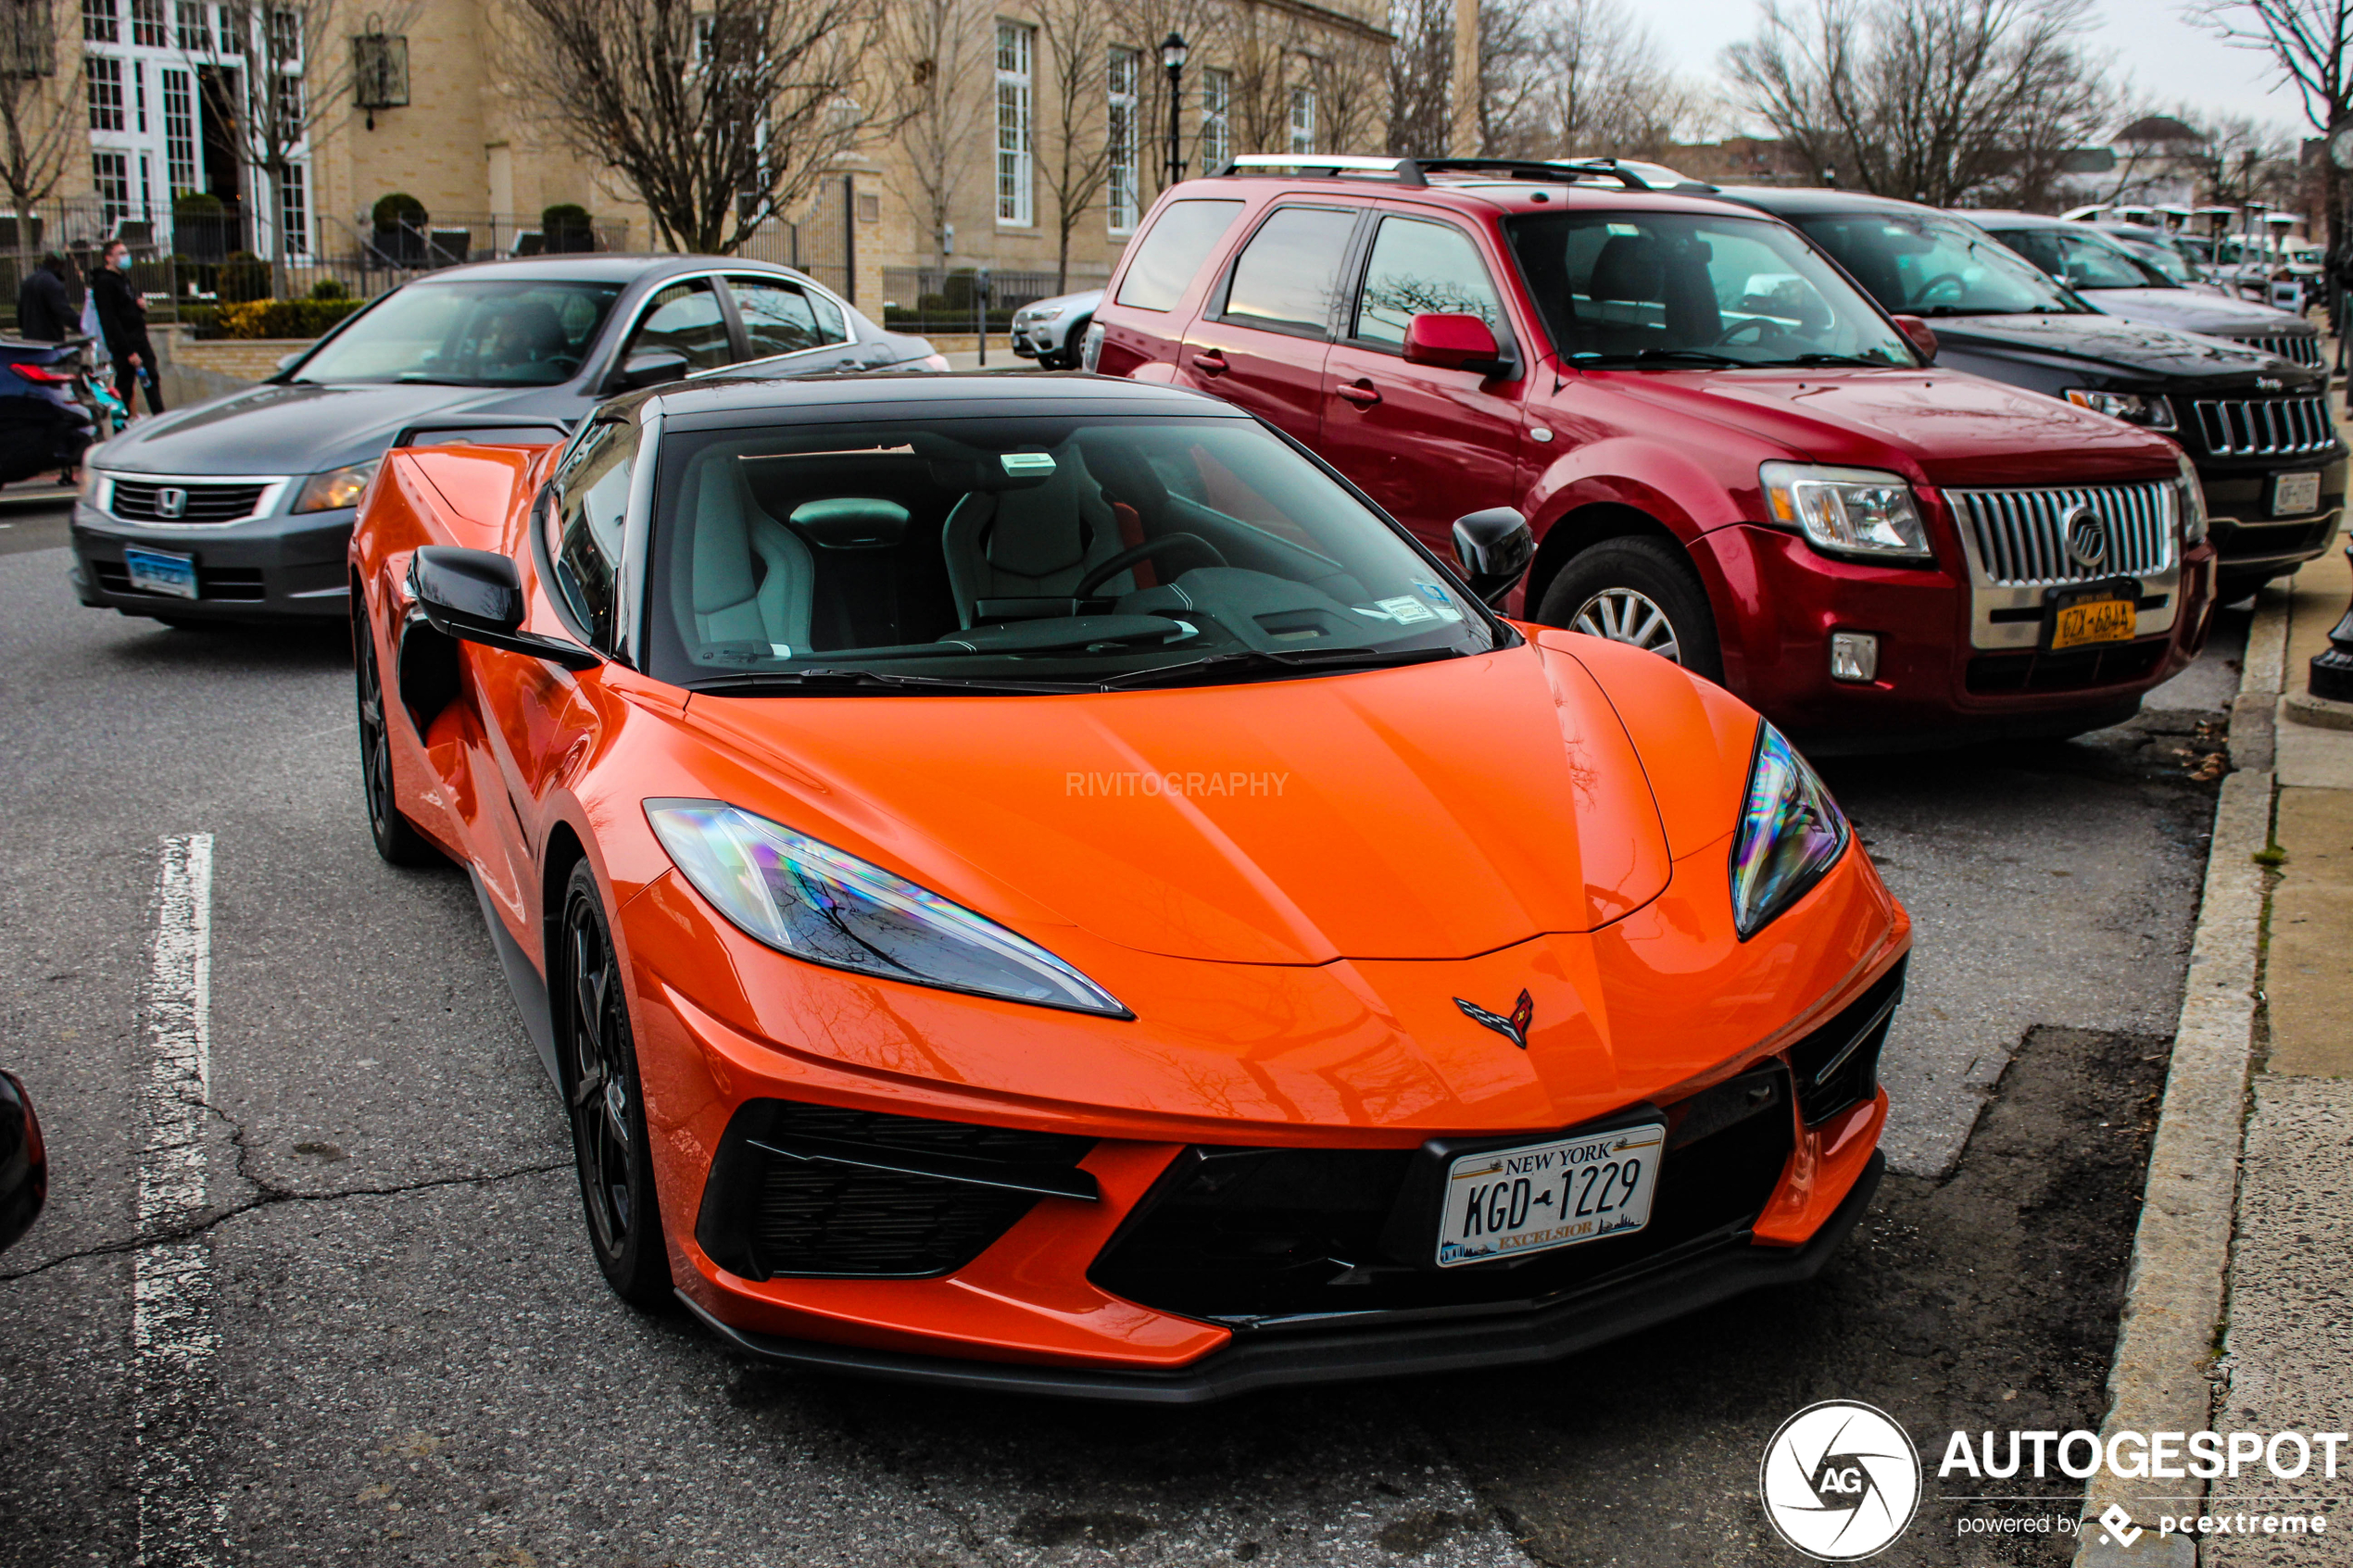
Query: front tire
x=397, y=839
x=605, y=1102
x=1640, y=592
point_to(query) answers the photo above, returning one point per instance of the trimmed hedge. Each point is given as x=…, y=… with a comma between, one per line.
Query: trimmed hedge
x=279, y=318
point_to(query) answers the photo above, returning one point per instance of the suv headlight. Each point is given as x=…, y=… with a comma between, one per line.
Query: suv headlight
x=1847, y=511
x=1791, y=833
x=2193, y=504
x=339, y=487
x=810, y=900
x=2146, y=408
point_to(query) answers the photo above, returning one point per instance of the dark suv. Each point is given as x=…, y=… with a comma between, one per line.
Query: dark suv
x=2255, y=425
x=1729, y=454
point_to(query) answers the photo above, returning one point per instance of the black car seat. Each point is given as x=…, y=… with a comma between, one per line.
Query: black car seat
x=749, y=579
x=1033, y=542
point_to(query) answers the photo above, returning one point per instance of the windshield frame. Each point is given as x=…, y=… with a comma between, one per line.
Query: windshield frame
x=616, y=291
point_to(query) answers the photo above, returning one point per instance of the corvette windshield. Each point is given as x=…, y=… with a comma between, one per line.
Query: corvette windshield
x=1922, y=264
x=1686, y=289
x=1026, y=554
x=472, y=334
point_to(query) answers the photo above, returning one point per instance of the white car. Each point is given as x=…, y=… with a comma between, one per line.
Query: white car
x=1049, y=331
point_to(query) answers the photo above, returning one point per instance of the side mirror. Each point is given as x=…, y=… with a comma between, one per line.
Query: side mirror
x=287, y=361
x=1494, y=548
x=648, y=367
x=1448, y=342
x=24, y=1163
x=1921, y=335
x=474, y=597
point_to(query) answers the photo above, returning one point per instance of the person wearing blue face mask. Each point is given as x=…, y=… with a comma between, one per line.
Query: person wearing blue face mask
x=122, y=318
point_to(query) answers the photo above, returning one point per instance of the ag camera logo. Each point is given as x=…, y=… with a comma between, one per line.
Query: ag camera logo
x=1840, y=1481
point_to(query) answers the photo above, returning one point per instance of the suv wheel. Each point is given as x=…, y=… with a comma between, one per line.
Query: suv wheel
x=1641, y=593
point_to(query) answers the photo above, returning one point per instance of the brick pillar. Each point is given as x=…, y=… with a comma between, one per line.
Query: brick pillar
x=1465, y=140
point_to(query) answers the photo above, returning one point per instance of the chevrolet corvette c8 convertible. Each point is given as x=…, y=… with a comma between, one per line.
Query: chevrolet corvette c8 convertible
x=1042, y=885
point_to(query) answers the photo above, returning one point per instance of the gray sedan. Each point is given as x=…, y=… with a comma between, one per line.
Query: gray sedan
x=240, y=508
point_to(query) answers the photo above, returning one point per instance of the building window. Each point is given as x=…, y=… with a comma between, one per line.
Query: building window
x=293, y=213
x=99, y=23
x=289, y=105
x=146, y=24
x=1216, y=105
x=1120, y=84
x=1302, y=119
x=196, y=26
x=106, y=93
x=285, y=34
x=1015, y=46
x=139, y=93
x=113, y=174
x=178, y=131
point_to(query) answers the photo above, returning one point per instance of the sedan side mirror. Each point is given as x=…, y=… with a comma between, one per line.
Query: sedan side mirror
x=648, y=367
x=475, y=597
x=1921, y=336
x=1448, y=342
x=1494, y=548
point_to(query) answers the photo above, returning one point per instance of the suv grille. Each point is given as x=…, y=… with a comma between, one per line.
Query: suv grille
x=2304, y=349
x=2022, y=535
x=138, y=501
x=2242, y=427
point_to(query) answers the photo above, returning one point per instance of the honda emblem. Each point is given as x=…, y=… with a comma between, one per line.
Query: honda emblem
x=171, y=501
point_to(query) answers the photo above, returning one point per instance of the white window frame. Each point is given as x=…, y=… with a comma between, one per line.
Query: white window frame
x=1122, y=69
x=180, y=167
x=1016, y=177
x=111, y=173
x=110, y=105
x=294, y=211
x=1217, y=120
x=1302, y=119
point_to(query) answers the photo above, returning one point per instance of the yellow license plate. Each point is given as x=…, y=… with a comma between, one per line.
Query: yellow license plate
x=2097, y=620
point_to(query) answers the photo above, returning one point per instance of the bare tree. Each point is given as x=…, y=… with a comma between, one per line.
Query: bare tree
x=936, y=57
x=719, y=114
x=40, y=114
x=1075, y=38
x=2310, y=46
x=1349, y=76
x=1421, y=77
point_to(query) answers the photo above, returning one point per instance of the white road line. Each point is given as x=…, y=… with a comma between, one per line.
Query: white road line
x=172, y=1337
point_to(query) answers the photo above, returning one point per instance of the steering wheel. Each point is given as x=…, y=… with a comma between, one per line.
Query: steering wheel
x=1961, y=287
x=1766, y=329
x=1192, y=544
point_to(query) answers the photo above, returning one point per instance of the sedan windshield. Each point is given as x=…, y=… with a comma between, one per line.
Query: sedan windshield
x=1026, y=554
x=1921, y=263
x=469, y=332
x=2081, y=260
x=1691, y=289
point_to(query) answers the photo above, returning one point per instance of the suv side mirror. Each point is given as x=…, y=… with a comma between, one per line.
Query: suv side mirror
x=1447, y=341
x=1923, y=336
x=648, y=367
x=474, y=597
x=1494, y=548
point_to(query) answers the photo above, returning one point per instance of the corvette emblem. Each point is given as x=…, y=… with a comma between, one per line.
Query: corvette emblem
x=1514, y=1028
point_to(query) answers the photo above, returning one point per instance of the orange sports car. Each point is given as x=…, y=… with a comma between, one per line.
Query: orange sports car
x=1039, y=884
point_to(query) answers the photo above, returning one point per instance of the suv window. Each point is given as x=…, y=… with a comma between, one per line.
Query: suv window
x=1289, y=271
x=1173, y=249
x=2074, y=260
x=686, y=320
x=782, y=318
x=592, y=503
x=1419, y=267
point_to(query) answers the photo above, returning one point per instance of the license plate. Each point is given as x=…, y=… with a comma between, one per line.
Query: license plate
x=2296, y=493
x=2087, y=621
x=1509, y=1202
x=160, y=571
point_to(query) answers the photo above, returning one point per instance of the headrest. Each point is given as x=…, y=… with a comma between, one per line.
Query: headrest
x=723, y=545
x=1627, y=269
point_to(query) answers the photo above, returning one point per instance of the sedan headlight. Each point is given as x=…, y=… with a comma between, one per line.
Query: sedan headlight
x=1791, y=833
x=810, y=900
x=2148, y=409
x=339, y=488
x=91, y=479
x=2193, y=504
x=1847, y=511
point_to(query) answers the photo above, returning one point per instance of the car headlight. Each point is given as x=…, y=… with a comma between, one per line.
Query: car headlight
x=339, y=487
x=1090, y=347
x=1847, y=511
x=1046, y=312
x=1791, y=833
x=2193, y=504
x=88, y=488
x=2146, y=408
x=810, y=900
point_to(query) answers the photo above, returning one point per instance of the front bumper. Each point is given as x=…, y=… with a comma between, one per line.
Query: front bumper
x=275, y=567
x=2248, y=540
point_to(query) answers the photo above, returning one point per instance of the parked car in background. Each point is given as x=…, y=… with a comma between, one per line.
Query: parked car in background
x=240, y=508
x=1730, y=456
x=24, y=1161
x=2257, y=427
x=2116, y=283
x=2164, y=249
x=44, y=428
x=1050, y=331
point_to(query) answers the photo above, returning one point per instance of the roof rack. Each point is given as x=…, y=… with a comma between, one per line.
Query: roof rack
x=1404, y=171
x=1633, y=176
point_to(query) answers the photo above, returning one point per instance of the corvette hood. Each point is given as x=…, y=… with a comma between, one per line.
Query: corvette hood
x=1432, y=811
x=293, y=428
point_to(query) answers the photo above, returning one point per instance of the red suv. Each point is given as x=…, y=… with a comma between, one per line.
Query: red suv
x=1728, y=453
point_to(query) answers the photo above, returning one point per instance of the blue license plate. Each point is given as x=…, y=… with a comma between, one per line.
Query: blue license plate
x=160, y=571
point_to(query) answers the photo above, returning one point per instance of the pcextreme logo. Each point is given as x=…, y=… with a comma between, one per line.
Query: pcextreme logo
x=1840, y=1481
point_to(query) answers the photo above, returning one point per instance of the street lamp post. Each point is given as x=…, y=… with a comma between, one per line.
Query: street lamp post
x=1172, y=60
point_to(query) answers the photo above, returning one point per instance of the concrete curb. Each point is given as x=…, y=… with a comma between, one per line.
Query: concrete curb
x=2161, y=1378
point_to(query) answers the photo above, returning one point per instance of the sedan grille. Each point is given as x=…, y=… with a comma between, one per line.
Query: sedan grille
x=2022, y=536
x=2244, y=427
x=144, y=501
x=2304, y=349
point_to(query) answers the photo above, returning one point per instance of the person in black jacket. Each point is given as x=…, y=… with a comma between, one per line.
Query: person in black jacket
x=44, y=309
x=122, y=320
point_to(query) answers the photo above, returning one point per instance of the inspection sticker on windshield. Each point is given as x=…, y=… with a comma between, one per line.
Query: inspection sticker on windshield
x=1507, y=1202
x=1405, y=609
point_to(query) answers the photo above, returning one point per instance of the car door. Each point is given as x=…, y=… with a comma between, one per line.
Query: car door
x=789, y=329
x=1427, y=443
x=1260, y=340
x=684, y=318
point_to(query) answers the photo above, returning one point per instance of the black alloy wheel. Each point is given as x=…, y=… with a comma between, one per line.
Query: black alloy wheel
x=605, y=1103
x=397, y=839
x=1641, y=592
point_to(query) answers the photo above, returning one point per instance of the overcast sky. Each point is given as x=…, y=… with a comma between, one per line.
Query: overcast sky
x=2170, y=62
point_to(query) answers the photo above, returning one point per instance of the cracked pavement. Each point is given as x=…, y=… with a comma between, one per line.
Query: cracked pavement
x=419, y=1363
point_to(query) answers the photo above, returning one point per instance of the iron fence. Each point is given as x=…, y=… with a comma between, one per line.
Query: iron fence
x=944, y=299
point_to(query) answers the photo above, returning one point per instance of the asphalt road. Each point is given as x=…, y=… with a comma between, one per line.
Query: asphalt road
x=375, y=1336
